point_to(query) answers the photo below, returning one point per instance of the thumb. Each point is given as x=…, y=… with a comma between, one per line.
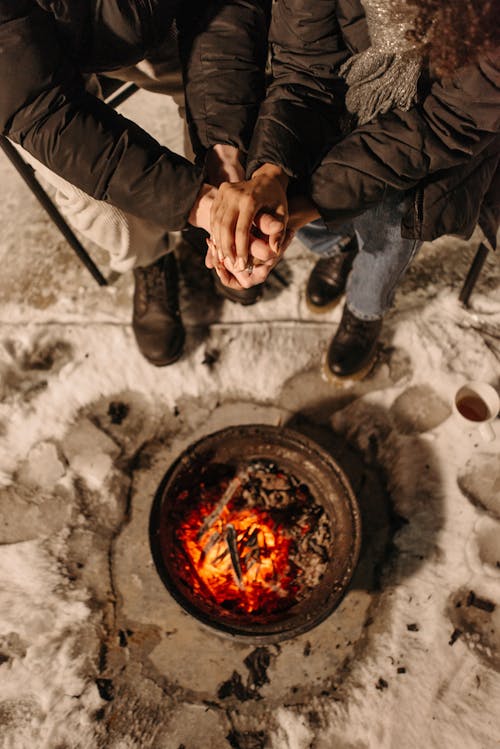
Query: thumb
x=268, y=224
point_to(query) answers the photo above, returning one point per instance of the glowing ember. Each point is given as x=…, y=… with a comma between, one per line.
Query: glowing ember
x=263, y=553
x=243, y=543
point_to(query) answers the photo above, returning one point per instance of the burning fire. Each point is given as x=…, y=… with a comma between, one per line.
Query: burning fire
x=239, y=557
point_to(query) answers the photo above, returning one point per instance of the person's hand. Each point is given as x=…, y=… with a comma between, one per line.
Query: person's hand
x=302, y=211
x=255, y=273
x=236, y=207
x=222, y=164
x=261, y=260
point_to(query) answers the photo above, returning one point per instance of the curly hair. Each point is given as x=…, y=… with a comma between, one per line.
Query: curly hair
x=453, y=33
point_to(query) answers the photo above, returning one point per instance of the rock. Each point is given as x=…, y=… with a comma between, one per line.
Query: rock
x=128, y=418
x=86, y=437
x=42, y=467
x=419, y=409
x=27, y=514
x=487, y=533
x=90, y=452
x=480, y=482
x=92, y=468
x=103, y=506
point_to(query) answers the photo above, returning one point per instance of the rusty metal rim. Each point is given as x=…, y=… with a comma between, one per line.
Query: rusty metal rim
x=285, y=628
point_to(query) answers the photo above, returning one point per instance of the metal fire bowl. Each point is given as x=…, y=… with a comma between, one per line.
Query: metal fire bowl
x=231, y=450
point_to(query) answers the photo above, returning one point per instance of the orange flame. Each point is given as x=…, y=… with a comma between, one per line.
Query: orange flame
x=257, y=577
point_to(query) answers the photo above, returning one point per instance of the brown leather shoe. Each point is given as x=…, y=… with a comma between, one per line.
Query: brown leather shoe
x=245, y=296
x=352, y=350
x=328, y=278
x=156, y=320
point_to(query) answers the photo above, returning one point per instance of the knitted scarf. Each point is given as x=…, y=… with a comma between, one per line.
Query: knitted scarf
x=386, y=74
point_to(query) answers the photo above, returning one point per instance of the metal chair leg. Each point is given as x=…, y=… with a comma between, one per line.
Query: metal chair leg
x=473, y=274
x=121, y=94
x=28, y=175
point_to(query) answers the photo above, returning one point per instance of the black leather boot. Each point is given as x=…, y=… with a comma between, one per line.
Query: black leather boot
x=156, y=320
x=243, y=296
x=328, y=278
x=352, y=350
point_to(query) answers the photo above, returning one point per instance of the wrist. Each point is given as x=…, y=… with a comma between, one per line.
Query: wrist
x=199, y=215
x=272, y=171
x=302, y=212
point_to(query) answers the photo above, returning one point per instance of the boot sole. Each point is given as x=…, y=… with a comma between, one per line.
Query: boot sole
x=166, y=362
x=325, y=308
x=338, y=380
x=163, y=362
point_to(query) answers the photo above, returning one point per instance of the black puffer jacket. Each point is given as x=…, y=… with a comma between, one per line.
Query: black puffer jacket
x=46, y=46
x=446, y=146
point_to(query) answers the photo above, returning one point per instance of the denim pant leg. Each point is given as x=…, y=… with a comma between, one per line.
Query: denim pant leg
x=383, y=257
x=318, y=238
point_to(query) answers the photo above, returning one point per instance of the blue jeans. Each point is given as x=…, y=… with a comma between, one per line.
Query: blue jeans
x=382, y=258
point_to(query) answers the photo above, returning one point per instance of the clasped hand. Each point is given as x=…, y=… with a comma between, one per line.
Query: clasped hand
x=249, y=222
x=248, y=228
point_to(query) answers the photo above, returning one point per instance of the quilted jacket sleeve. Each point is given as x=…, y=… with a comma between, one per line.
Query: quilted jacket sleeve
x=223, y=48
x=44, y=107
x=453, y=125
x=304, y=109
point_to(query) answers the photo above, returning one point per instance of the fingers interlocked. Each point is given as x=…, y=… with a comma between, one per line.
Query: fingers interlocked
x=238, y=208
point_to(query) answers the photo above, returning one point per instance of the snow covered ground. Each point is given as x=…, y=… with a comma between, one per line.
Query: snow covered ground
x=93, y=653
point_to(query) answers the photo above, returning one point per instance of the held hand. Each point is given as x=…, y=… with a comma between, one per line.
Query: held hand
x=236, y=207
x=261, y=260
x=302, y=211
x=259, y=248
x=222, y=163
x=255, y=272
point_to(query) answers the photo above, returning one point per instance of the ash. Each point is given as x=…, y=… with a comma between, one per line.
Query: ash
x=294, y=509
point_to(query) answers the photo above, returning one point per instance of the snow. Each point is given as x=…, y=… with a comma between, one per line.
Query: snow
x=44, y=679
x=73, y=505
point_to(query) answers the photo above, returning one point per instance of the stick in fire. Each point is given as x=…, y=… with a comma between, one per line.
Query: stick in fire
x=232, y=488
x=235, y=557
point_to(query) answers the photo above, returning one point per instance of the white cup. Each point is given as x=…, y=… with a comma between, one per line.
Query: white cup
x=476, y=404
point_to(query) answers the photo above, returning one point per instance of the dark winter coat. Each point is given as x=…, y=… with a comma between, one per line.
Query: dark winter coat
x=46, y=46
x=446, y=146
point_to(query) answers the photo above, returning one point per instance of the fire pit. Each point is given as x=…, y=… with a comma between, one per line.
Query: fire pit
x=256, y=532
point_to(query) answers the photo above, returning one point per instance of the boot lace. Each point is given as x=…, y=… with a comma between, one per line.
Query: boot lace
x=158, y=288
x=154, y=283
